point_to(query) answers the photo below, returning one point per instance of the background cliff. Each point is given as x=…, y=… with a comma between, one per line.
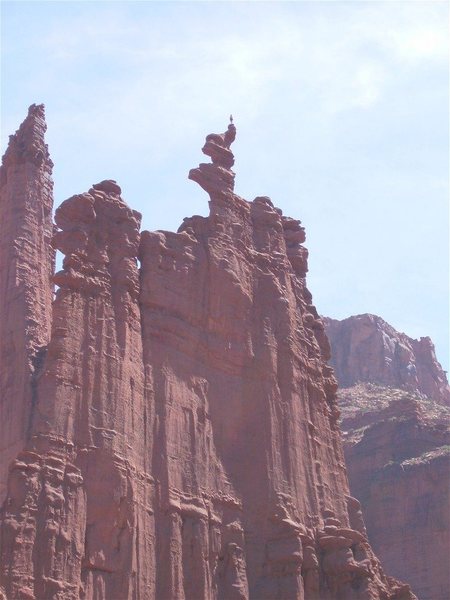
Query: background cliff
x=367, y=349
x=397, y=446
x=183, y=439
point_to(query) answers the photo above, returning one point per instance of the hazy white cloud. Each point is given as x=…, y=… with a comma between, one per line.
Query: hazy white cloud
x=369, y=81
x=154, y=76
x=173, y=71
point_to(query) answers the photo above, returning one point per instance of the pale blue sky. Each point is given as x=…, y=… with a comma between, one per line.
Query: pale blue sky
x=342, y=117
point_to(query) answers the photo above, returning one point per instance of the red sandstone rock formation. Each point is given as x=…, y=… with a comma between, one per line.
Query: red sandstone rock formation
x=184, y=442
x=397, y=448
x=366, y=348
x=26, y=268
x=78, y=520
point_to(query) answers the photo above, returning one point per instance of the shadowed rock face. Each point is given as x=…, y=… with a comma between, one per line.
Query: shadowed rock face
x=366, y=348
x=183, y=442
x=397, y=448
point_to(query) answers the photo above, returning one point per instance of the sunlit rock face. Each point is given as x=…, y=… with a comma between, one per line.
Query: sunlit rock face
x=367, y=349
x=183, y=439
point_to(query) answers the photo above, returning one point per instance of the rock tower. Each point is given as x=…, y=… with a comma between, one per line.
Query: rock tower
x=26, y=271
x=182, y=440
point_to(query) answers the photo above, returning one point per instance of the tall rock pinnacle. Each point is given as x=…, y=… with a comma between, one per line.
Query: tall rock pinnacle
x=26, y=269
x=254, y=500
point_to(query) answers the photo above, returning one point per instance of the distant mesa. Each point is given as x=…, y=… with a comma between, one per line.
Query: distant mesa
x=366, y=348
x=395, y=414
x=397, y=451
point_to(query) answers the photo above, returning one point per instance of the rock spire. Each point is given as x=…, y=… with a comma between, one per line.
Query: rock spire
x=26, y=269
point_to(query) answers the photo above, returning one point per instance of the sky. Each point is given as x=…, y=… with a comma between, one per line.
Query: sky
x=341, y=111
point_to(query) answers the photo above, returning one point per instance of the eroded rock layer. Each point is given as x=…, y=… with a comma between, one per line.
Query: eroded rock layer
x=367, y=349
x=184, y=442
x=397, y=448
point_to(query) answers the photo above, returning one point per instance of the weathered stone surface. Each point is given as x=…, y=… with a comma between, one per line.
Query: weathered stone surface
x=26, y=269
x=217, y=178
x=397, y=448
x=184, y=441
x=109, y=186
x=235, y=353
x=366, y=348
x=84, y=514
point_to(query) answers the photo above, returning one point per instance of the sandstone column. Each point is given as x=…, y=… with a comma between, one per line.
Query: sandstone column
x=26, y=269
x=78, y=519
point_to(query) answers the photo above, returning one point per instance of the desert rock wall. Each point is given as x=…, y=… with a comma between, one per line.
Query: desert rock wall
x=87, y=509
x=395, y=404
x=218, y=316
x=397, y=448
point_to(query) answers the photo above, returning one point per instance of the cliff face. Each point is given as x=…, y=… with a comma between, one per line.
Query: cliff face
x=26, y=269
x=367, y=349
x=397, y=448
x=397, y=444
x=183, y=440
